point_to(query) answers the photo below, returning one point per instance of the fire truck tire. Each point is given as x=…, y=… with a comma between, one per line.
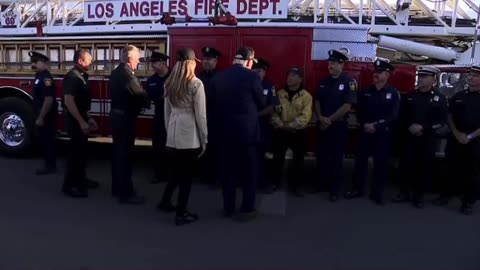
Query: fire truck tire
x=17, y=124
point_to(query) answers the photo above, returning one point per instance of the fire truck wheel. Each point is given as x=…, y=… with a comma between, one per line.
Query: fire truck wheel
x=16, y=126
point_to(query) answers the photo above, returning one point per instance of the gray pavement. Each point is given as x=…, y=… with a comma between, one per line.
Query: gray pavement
x=42, y=229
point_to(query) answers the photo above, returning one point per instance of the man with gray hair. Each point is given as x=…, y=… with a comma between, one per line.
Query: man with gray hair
x=128, y=100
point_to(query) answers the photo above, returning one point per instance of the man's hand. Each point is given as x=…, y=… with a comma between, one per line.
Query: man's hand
x=39, y=122
x=324, y=122
x=369, y=128
x=416, y=129
x=85, y=127
x=204, y=148
x=93, y=124
x=461, y=137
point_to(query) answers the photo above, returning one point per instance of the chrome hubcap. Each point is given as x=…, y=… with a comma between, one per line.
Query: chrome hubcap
x=12, y=129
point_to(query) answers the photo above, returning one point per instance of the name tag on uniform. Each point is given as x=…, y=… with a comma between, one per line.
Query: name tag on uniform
x=265, y=92
x=389, y=96
x=322, y=86
x=152, y=84
x=436, y=98
x=36, y=81
x=341, y=87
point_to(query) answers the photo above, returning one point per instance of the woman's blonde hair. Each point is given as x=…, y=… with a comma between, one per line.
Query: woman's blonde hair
x=177, y=84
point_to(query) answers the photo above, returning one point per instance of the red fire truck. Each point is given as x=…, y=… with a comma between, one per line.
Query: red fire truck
x=284, y=32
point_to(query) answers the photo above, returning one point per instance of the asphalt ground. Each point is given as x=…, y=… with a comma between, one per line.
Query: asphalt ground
x=42, y=229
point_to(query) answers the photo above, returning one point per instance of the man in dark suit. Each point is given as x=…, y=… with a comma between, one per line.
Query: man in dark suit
x=236, y=97
x=128, y=100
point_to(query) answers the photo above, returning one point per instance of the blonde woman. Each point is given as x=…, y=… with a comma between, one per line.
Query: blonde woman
x=186, y=124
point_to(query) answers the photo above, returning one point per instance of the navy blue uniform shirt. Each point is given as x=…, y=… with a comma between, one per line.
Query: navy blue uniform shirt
x=465, y=111
x=206, y=78
x=156, y=91
x=43, y=87
x=334, y=93
x=428, y=109
x=270, y=99
x=378, y=106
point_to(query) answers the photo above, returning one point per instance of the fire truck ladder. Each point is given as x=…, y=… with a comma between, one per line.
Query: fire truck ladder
x=446, y=24
x=391, y=17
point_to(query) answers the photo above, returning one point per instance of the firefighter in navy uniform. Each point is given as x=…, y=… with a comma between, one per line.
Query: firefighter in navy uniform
x=266, y=129
x=209, y=64
x=334, y=99
x=463, y=146
x=155, y=90
x=46, y=108
x=424, y=114
x=78, y=124
x=128, y=100
x=377, y=109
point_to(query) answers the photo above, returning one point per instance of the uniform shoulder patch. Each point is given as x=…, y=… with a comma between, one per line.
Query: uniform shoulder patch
x=353, y=85
x=47, y=82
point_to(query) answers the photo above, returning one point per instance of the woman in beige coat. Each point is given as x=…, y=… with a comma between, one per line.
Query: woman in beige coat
x=186, y=124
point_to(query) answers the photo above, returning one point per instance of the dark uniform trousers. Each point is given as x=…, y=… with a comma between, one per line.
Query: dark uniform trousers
x=123, y=133
x=376, y=145
x=48, y=140
x=282, y=140
x=241, y=167
x=263, y=148
x=464, y=170
x=204, y=166
x=158, y=144
x=330, y=154
x=181, y=173
x=417, y=164
x=75, y=175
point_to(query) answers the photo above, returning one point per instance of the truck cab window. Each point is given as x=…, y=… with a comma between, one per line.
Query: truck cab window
x=451, y=83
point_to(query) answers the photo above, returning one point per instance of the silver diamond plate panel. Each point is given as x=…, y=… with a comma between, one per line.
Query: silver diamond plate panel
x=358, y=52
x=340, y=34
